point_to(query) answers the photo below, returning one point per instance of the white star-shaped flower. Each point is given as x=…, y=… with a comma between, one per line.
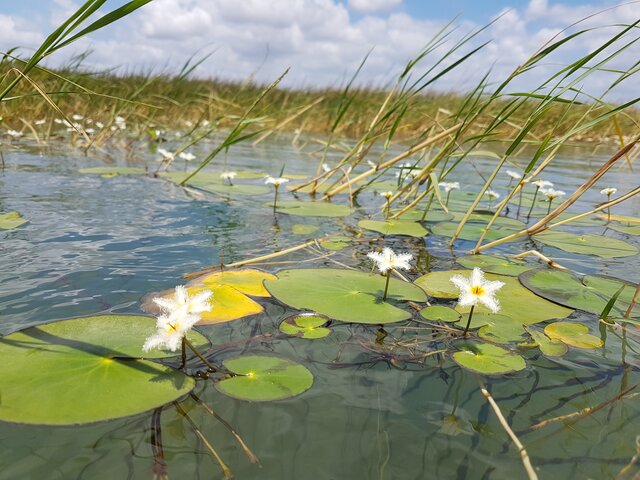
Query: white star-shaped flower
x=388, y=260
x=551, y=193
x=276, y=182
x=448, y=186
x=166, y=155
x=542, y=183
x=492, y=194
x=476, y=289
x=187, y=156
x=608, y=191
x=514, y=175
x=228, y=175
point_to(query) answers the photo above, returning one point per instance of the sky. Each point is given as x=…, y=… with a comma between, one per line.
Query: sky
x=324, y=41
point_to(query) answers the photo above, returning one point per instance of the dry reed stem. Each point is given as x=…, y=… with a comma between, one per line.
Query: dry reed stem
x=521, y=450
x=542, y=257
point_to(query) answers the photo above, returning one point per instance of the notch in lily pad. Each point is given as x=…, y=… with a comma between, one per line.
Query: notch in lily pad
x=305, y=325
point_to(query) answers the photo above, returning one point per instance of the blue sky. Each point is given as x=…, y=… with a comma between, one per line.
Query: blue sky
x=323, y=41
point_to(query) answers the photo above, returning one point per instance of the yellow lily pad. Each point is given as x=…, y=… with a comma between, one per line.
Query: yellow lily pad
x=573, y=334
x=227, y=304
x=247, y=281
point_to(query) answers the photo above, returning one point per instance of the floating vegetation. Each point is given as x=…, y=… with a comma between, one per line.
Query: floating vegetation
x=312, y=209
x=309, y=326
x=588, y=244
x=394, y=227
x=573, y=334
x=488, y=359
x=11, y=220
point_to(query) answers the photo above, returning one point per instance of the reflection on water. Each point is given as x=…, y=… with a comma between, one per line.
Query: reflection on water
x=97, y=245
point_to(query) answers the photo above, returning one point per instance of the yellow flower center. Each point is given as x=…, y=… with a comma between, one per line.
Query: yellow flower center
x=477, y=290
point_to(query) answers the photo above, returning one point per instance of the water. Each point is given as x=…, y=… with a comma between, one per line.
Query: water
x=97, y=245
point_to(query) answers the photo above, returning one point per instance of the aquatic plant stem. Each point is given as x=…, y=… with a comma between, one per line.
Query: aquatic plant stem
x=521, y=450
x=275, y=200
x=199, y=355
x=446, y=202
x=533, y=202
x=632, y=304
x=386, y=286
x=466, y=329
x=183, y=356
x=549, y=209
x=609, y=208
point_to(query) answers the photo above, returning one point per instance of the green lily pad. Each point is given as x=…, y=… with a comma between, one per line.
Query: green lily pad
x=346, y=295
x=484, y=218
x=264, y=378
x=335, y=242
x=590, y=295
x=212, y=183
x=502, y=329
x=573, y=334
x=81, y=371
x=626, y=229
x=598, y=245
x=432, y=215
x=581, y=222
x=624, y=219
x=11, y=220
x=113, y=171
x=516, y=301
x=440, y=313
x=492, y=264
x=548, y=347
x=311, y=209
x=308, y=326
x=298, y=229
x=488, y=359
x=471, y=231
x=394, y=227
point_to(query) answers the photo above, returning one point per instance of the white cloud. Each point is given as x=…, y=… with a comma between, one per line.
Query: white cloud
x=368, y=6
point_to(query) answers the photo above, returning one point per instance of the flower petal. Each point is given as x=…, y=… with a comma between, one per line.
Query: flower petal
x=490, y=302
x=461, y=282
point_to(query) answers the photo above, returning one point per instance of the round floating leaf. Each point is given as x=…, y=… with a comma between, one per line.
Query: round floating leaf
x=549, y=347
x=113, y=171
x=604, y=247
x=488, y=359
x=491, y=264
x=484, y=218
x=211, y=182
x=227, y=304
x=264, y=378
x=502, y=329
x=11, y=220
x=345, y=295
x=566, y=289
x=581, y=222
x=440, y=313
x=516, y=301
x=311, y=209
x=65, y=373
x=304, y=229
x=432, y=215
x=335, y=242
x=471, y=231
x=573, y=334
x=308, y=326
x=625, y=219
x=394, y=227
x=248, y=281
x=626, y=229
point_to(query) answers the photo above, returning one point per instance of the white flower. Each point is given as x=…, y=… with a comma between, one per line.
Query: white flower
x=90, y=131
x=551, y=193
x=542, y=183
x=387, y=195
x=99, y=125
x=492, y=194
x=205, y=123
x=608, y=191
x=388, y=260
x=120, y=122
x=448, y=186
x=326, y=168
x=14, y=133
x=77, y=117
x=514, y=175
x=42, y=121
x=228, y=175
x=372, y=164
x=188, y=123
x=178, y=316
x=58, y=121
x=166, y=155
x=187, y=156
x=476, y=289
x=276, y=182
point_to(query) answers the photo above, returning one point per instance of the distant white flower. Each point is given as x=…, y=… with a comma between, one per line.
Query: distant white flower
x=166, y=155
x=608, y=191
x=14, y=133
x=276, y=182
x=387, y=195
x=514, y=175
x=542, y=183
x=326, y=168
x=372, y=164
x=492, y=194
x=187, y=156
x=448, y=186
x=178, y=316
x=205, y=123
x=90, y=131
x=58, y=121
x=388, y=260
x=42, y=121
x=476, y=289
x=550, y=193
x=120, y=122
x=77, y=117
x=99, y=125
x=228, y=175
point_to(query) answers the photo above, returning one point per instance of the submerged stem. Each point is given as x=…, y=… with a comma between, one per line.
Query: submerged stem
x=194, y=350
x=275, y=200
x=533, y=202
x=466, y=329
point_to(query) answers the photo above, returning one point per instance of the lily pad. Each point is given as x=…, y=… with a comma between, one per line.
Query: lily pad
x=304, y=229
x=228, y=304
x=590, y=295
x=308, y=326
x=80, y=371
x=346, y=295
x=492, y=264
x=264, y=378
x=605, y=247
x=488, y=359
x=113, y=171
x=516, y=301
x=581, y=222
x=484, y=218
x=335, y=242
x=625, y=219
x=432, y=215
x=502, y=329
x=212, y=183
x=311, y=209
x=471, y=231
x=440, y=313
x=394, y=227
x=248, y=281
x=548, y=347
x=626, y=229
x=11, y=220
x=573, y=334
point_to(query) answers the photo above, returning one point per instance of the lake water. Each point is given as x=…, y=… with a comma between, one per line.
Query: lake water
x=97, y=245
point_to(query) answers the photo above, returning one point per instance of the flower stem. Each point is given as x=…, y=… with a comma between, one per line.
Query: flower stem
x=386, y=286
x=275, y=201
x=466, y=329
x=519, y=202
x=549, y=209
x=608, y=209
x=193, y=349
x=183, y=361
x=388, y=209
x=533, y=202
x=446, y=202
